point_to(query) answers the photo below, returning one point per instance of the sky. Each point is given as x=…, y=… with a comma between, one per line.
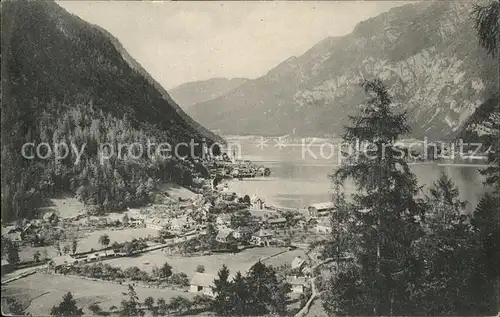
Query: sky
x=179, y=42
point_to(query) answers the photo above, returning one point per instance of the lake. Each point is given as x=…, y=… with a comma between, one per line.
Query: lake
x=300, y=177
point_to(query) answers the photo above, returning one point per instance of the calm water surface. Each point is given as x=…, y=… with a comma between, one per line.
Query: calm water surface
x=300, y=178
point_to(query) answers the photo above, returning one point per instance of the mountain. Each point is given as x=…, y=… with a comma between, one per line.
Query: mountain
x=427, y=53
x=67, y=81
x=483, y=123
x=191, y=93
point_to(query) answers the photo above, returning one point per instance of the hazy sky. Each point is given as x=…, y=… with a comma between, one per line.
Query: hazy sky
x=178, y=42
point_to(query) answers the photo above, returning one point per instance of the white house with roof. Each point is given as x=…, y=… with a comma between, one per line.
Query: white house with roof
x=277, y=222
x=298, y=284
x=156, y=223
x=179, y=224
x=225, y=236
x=61, y=261
x=223, y=220
x=261, y=237
x=257, y=203
x=298, y=263
x=202, y=283
x=320, y=209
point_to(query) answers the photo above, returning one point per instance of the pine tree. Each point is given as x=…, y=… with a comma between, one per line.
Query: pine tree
x=130, y=307
x=385, y=207
x=239, y=296
x=12, y=251
x=222, y=291
x=447, y=251
x=67, y=307
x=487, y=22
x=486, y=224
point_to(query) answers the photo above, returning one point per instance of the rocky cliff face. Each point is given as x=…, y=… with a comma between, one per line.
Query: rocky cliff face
x=427, y=53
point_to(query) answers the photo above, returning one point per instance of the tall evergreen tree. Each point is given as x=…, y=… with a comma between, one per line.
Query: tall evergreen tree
x=67, y=307
x=447, y=251
x=385, y=210
x=486, y=220
x=222, y=290
x=239, y=296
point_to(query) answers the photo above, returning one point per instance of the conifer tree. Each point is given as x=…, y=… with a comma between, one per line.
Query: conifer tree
x=240, y=296
x=67, y=307
x=385, y=209
x=222, y=290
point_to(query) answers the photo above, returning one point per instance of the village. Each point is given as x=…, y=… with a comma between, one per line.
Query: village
x=203, y=228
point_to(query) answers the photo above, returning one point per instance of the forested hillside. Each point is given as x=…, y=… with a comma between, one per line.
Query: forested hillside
x=64, y=80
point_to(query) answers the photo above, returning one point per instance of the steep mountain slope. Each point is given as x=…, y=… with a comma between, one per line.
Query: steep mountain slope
x=65, y=80
x=427, y=53
x=483, y=123
x=191, y=93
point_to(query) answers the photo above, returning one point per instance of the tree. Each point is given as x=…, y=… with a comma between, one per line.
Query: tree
x=67, y=307
x=202, y=301
x=12, y=251
x=485, y=223
x=104, y=240
x=265, y=289
x=74, y=246
x=200, y=268
x=487, y=24
x=36, y=256
x=130, y=307
x=179, y=304
x=162, y=306
x=246, y=200
x=166, y=270
x=447, y=254
x=385, y=208
x=66, y=249
x=240, y=296
x=240, y=219
x=222, y=290
x=149, y=302
x=486, y=218
x=125, y=220
x=95, y=309
x=14, y=307
x=57, y=246
x=180, y=279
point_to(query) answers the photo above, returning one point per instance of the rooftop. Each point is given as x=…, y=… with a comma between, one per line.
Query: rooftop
x=296, y=280
x=203, y=279
x=276, y=220
x=61, y=260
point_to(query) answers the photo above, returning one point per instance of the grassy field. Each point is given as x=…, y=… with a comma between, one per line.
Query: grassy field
x=68, y=207
x=235, y=262
x=40, y=292
x=92, y=240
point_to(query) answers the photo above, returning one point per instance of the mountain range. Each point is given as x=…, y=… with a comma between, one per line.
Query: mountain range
x=195, y=92
x=426, y=53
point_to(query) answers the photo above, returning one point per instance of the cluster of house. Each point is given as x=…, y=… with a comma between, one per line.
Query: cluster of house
x=189, y=216
x=260, y=232
x=59, y=262
x=203, y=283
x=27, y=229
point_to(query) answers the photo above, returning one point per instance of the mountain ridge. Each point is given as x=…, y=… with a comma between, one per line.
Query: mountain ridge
x=427, y=53
x=190, y=93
